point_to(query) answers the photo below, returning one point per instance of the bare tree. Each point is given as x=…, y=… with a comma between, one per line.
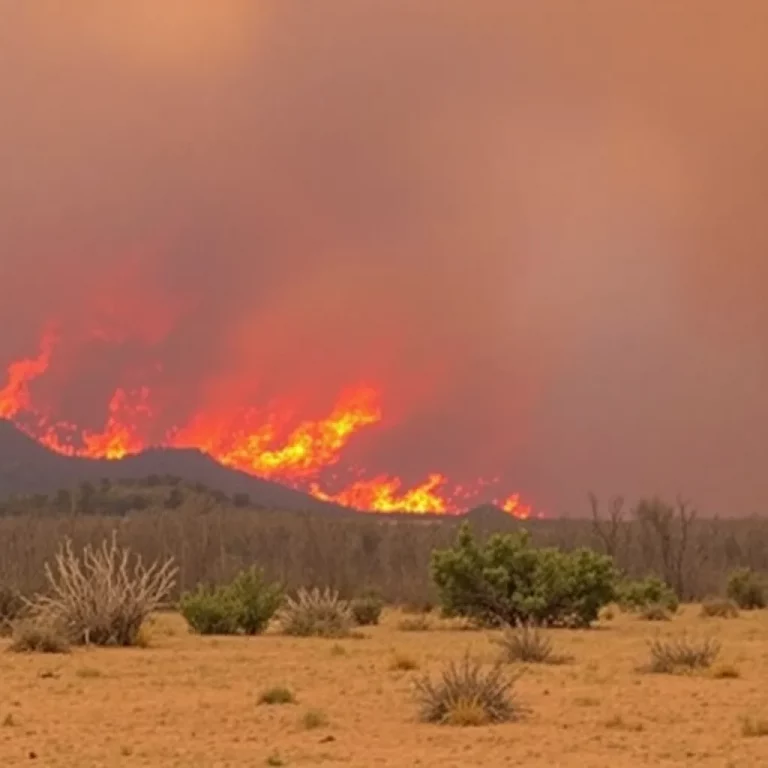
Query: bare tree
x=608, y=530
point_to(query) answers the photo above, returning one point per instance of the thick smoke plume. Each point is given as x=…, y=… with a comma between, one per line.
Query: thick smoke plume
x=535, y=230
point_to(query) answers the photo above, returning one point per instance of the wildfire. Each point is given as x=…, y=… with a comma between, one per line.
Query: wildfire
x=264, y=443
x=14, y=397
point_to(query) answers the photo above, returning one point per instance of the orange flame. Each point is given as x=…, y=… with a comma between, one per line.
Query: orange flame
x=263, y=444
x=382, y=494
x=15, y=397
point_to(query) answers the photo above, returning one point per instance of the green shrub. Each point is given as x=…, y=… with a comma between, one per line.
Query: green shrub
x=637, y=596
x=747, y=589
x=258, y=600
x=245, y=605
x=465, y=695
x=507, y=581
x=315, y=613
x=211, y=610
x=366, y=609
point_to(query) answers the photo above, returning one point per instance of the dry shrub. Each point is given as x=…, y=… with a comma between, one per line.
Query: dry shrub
x=38, y=636
x=401, y=662
x=315, y=613
x=527, y=643
x=682, y=654
x=725, y=672
x=466, y=695
x=654, y=612
x=277, y=695
x=753, y=727
x=415, y=624
x=314, y=718
x=11, y=607
x=102, y=597
x=719, y=608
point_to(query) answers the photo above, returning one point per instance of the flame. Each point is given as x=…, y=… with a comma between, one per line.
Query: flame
x=15, y=397
x=383, y=494
x=515, y=507
x=268, y=443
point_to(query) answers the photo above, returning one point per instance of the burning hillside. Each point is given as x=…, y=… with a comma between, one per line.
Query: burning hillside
x=274, y=443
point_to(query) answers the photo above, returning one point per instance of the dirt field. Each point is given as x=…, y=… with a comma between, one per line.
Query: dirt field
x=191, y=701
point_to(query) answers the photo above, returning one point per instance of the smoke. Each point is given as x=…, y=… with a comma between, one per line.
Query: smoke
x=537, y=227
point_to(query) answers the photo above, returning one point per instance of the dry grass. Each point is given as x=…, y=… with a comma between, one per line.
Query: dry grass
x=682, y=654
x=529, y=645
x=192, y=701
x=720, y=608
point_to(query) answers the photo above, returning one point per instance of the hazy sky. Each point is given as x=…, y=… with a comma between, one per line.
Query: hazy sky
x=539, y=226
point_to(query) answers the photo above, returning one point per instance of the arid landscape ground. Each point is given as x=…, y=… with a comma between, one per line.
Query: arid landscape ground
x=194, y=701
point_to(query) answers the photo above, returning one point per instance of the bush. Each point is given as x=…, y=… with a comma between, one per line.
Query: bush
x=415, y=624
x=719, y=608
x=316, y=613
x=211, y=610
x=38, y=636
x=747, y=589
x=366, y=610
x=637, y=596
x=102, y=597
x=11, y=607
x=682, y=654
x=278, y=695
x=507, y=581
x=246, y=605
x=465, y=695
x=528, y=644
x=257, y=600
x=655, y=612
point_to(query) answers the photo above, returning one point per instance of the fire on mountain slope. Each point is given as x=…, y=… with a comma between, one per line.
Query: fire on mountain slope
x=268, y=442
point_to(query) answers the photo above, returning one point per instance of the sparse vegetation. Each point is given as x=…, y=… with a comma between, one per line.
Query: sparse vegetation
x=719, y=608
x=725, y=672
x=682, y=654
x=752, y=727
x=654, y=612
x=401, y=662
x=464, y=694
x=508, y=581
x=641, y=595
x=747, y=589
x=527, y=643
x=367, y=609
x=316, y=613
x=257, y=600
x=277, y=695
x=39, y=635
x=11, y=607
x=418, y=623
x=245, y=605
x=314, y=718
x=102, y=597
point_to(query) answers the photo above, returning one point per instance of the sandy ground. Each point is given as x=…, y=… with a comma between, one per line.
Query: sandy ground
x=192, y=701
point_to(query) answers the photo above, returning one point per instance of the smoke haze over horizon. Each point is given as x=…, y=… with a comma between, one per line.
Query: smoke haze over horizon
x=537, y=229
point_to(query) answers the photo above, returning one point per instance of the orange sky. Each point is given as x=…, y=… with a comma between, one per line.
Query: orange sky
x=538, y=227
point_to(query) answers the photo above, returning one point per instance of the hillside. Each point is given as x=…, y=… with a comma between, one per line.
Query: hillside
x=26, y=467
